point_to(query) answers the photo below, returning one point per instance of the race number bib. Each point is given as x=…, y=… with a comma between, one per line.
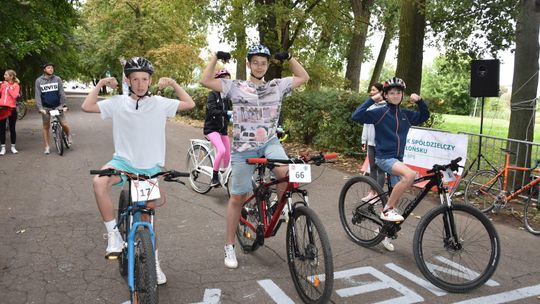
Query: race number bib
x=300, y=173
x=448, y=176
x=144, y=190
x=54, y=112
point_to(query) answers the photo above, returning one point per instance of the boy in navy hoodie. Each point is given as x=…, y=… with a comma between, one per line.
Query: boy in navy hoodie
x=392, y=123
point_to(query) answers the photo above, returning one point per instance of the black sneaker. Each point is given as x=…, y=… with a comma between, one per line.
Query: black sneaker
x=215, y=182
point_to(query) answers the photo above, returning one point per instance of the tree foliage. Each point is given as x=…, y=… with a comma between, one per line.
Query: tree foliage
x=170, y=33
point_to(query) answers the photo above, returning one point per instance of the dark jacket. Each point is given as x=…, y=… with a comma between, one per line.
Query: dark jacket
x=392, y=123
x=49, y=92
x=216, y=119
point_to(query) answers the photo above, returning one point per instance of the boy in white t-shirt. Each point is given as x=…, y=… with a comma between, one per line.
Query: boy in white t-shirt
x=139, y=136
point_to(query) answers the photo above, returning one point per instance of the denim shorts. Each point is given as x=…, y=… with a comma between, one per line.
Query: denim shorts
x=386, y=165
x=120, y=163
x=242, y=172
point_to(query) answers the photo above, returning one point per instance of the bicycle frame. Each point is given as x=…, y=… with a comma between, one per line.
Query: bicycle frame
x=504, y=174
x=134, y=212
x=271, y=227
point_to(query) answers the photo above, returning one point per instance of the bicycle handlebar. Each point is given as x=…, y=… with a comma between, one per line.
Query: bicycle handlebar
x=316, y=159
x=453, y=165
x=169, y=175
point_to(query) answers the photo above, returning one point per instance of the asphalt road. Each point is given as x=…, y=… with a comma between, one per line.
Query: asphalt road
x=52, y=247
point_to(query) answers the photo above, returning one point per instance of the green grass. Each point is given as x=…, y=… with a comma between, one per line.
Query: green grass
x=492, y=126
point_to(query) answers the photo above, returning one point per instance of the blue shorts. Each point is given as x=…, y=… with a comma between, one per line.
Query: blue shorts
x=242, y=172
x=386, y=165
x=120, y=163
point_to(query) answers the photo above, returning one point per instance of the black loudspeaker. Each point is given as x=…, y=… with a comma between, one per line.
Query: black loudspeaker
x=485, y=78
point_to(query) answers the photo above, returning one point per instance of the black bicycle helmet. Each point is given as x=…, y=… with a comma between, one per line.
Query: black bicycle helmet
x=394, y=82
x=138, y=64
x=259, y=50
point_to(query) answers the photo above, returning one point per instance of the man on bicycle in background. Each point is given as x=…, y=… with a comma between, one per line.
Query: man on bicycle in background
x=139, y=122
x=49, y=93
x=392, y=124
x=262, y=101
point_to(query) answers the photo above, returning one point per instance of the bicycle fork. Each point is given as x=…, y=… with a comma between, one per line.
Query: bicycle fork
x=451, y=237
x=136, y=220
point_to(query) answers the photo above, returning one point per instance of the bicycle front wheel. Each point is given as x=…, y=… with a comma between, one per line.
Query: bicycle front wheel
x=482, y=190
x=531, y=211
x=145, y=268
x=456, y=248
x=360, y=204
x=57, y=137
x=123, y=229
x=200, y=167
x=309, y=256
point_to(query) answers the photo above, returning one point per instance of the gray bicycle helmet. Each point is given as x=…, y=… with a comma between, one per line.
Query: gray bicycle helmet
x=138, y=64
x=394, y=82
x=259, y=50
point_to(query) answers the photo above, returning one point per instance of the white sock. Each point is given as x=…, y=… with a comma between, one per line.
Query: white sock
x=111, y=226
x=156, y=254
x=3, y=146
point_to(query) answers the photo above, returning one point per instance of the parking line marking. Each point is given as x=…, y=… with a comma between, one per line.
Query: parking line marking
x=416, y=279
x=503, y=297
x=275, y=292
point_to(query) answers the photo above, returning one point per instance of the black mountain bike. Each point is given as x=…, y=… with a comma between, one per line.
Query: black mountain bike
x=455, y=246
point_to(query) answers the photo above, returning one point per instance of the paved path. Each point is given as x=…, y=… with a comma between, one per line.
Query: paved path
x=53, y=245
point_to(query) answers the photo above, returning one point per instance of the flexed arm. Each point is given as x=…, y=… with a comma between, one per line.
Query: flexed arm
x=90, y=102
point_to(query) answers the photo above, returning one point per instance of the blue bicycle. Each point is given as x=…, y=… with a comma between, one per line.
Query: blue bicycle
x=135, y=223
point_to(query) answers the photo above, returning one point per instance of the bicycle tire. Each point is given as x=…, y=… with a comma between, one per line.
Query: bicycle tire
x=308, y=249
x=65, y=140
x=123, y=203
x=57, y=137
x=445, y=263
x=482, y=194
x=21, y=110
x=247, y=237
x=146, y=288
x=361, y=219
x=200, y=166
x=531, y=211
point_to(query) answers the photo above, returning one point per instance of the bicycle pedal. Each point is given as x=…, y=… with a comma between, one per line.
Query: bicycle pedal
x=112, y=256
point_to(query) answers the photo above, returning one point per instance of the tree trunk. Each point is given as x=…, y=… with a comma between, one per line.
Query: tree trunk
x=241, y=45
x=412, y=25
x=355, y=54
x=268, y=36
x=376, y=77
x=525, y=80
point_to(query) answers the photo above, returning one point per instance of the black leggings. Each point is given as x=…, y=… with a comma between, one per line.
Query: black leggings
x=12, y=121
x=374, y=171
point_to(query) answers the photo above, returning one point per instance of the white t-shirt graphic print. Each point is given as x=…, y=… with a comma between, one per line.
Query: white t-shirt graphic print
x=256, y=110
x=139, y=135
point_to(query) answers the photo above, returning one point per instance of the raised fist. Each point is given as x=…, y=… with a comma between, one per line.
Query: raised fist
x=225, y=56
x=282, y=56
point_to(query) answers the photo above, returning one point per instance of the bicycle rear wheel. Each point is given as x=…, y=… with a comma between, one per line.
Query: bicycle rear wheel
x=531, y=211
x=57, y=137
x=456, y=248
x=360, y=216
x=122, y=221
x=482, y=189
x=145, y=268
x=246, y=233
x=200, y=167
x=309, y=256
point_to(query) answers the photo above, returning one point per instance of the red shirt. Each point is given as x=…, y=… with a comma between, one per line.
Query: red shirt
x=8, y=94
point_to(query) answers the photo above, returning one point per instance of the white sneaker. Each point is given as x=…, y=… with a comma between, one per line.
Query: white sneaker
x=115, y=244
x=47, y=150
x=13, y=150
x=386, y=243
x=230, y=257
x=3, y=150
x=368, y=197
x=391, y=215
x=161, y=278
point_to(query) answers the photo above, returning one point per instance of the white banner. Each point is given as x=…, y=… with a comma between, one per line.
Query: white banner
x=425, y=148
